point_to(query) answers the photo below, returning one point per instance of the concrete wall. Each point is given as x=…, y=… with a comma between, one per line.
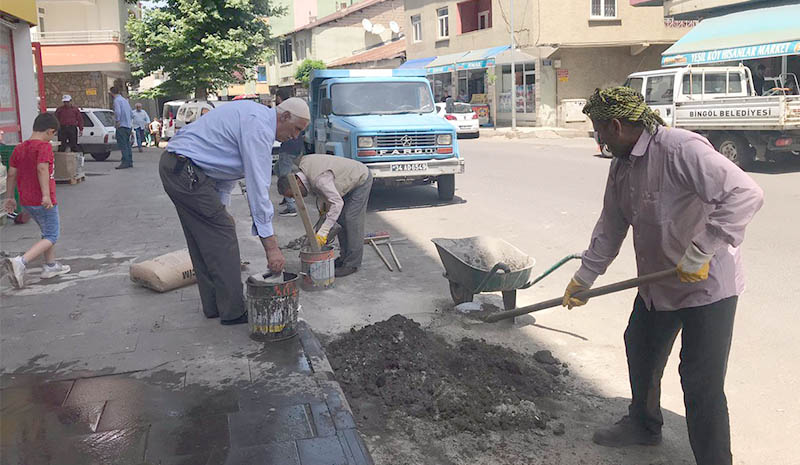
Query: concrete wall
x=78, y=16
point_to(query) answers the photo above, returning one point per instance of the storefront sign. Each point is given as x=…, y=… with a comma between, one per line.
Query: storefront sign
x=91, y=91
x=733, y=54
x=440, y=69
x=476, y=64
x=563, y=75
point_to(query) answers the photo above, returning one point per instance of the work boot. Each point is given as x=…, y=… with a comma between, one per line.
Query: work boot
x=343, y=271
x=626, y=432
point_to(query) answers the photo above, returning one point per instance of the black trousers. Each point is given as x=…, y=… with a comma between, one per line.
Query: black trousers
x=210, y=235
x=68, y=136
x=705, y=345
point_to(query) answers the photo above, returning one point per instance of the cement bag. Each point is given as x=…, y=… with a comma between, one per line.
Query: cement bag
x=165, y=273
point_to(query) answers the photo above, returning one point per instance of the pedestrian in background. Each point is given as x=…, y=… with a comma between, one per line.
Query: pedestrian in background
x=140, y=121
x=123, y=116
x=155, y=131
x=70, y=120
x=689, y=207
x=31, y=171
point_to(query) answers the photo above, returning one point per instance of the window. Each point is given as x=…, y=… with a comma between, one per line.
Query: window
x=105, y=117
x=714, y=83
x=301, y=50
x=635, y=84
x=87, y=122
x=603, y=9
x=285, y=52
x=41, y=19
x=261, y=74
x=483, y=20
x=522, y=86
x=444, y=23
x=659, y=90
x=416, y=27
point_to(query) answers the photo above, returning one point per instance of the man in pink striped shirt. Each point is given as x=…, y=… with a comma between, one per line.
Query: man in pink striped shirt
x=688, y=206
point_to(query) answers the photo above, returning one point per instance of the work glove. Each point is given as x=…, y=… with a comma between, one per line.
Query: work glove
x=573, y=288
x=694, y=265
x=322, y=239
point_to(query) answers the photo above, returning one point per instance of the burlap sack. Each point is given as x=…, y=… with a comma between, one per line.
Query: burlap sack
x=165, y=273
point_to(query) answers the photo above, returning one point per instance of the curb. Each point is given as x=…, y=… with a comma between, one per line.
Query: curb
x=341, y=413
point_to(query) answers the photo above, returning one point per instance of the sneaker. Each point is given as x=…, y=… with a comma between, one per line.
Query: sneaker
x=52, y=271
x=16, y=270
x=343, y=271
x=288, y=212
x=283, y=202
x=123, y=167
x=626, y=432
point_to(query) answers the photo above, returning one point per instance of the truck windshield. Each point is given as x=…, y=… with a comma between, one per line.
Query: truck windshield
x=381, y=98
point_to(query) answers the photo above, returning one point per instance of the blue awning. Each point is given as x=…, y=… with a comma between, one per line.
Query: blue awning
x=746, y=35
x=417, y=63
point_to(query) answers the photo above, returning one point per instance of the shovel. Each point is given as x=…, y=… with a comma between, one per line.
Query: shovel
x=603, y=290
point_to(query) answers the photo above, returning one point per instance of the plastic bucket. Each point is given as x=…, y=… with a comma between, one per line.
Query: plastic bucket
x=272, y=305
x=317, y=268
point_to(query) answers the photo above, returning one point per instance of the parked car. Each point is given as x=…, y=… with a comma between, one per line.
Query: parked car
x=168, y=115
x=99, y=133
x=193, y=109
x=462, y=117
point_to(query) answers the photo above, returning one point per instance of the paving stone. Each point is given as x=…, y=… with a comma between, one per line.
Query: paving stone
x=217, y=371
x=103, y=388
x=187, y=436
x=291, y=389
x=323, y=422
x=283, y=453
x=321, y=451
x=266, y=426
x=338, y=406
x=354, y=447
x=44, y=421
x=281, y=356
x=16, y=398
x=75, y=345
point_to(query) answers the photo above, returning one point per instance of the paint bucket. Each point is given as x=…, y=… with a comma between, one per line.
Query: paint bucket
x=272, y=305
x=317, y=268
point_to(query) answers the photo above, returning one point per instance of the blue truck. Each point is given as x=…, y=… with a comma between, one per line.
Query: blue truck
x=387, y=120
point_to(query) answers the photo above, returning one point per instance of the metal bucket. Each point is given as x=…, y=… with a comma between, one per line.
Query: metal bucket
x=272, y=305
x=317, y=269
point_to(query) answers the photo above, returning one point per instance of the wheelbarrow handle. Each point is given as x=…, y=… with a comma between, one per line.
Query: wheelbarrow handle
x=552, y=269
x=499, y=266
x=603, y=290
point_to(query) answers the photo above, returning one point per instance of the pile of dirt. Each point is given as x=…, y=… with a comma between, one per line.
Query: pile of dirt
x=395, y=365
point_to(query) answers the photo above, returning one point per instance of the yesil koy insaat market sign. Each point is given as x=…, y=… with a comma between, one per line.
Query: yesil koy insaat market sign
x=733, y=54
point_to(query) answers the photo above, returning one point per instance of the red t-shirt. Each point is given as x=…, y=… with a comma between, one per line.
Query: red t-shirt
x=25, y=159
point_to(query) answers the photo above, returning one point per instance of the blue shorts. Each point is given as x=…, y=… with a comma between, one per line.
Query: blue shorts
x=47, y=219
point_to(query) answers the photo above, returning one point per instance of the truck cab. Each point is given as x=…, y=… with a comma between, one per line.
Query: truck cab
x=387, y=120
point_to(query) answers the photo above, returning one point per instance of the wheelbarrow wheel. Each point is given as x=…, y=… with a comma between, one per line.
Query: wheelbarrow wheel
x=459, y=293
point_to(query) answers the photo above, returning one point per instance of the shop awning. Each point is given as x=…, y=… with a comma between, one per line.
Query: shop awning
x=444, y=63
x=417, y=63
x=504, y=58
x=480, y=58
x=746, y=35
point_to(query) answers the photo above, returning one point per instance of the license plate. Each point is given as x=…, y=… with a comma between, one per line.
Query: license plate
x=409, y=167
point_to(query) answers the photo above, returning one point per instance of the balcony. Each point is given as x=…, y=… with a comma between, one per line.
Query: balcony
x=75, y=37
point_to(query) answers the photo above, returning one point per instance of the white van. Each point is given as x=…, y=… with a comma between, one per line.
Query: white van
x=168, y=115
x=664, y=87
x=193, y=109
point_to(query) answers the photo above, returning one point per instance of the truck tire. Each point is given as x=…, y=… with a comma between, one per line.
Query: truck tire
x=446, y=185
x=736, y=149
x=101, y=156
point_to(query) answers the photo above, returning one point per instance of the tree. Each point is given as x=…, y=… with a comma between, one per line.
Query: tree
x=304, y=70
x=202, y=45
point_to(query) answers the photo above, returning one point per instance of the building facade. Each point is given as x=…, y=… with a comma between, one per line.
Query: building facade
x=563, y=51
x=19, y=79
x=83, y=48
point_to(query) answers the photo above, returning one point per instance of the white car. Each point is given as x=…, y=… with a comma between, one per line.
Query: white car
x=99, y=135
x=462, y=117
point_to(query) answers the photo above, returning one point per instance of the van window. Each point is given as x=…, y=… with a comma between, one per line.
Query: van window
x=735, y=83
x=170, y=111
x=692, y=87
x=181, y=113
x=715, y=83
x=635, y=83
x=659, y=90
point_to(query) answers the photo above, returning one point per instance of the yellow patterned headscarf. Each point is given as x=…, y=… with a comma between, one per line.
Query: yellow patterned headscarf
x=621, y=103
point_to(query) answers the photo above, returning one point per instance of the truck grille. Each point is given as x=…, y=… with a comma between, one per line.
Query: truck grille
x=406, y=140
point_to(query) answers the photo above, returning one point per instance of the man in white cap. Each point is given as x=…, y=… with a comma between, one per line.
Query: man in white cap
x=200, y=168
x=71, y=124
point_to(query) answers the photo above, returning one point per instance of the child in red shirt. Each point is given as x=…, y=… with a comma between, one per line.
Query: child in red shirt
x=30, y=169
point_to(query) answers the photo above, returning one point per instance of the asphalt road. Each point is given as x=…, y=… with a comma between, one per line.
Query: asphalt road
x=544, y=196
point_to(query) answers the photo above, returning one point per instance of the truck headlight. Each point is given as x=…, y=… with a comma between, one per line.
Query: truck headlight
x=444, y=139
x=365, y=142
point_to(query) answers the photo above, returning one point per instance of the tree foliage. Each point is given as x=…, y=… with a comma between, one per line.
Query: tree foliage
x=202, y=45
x=304, y=70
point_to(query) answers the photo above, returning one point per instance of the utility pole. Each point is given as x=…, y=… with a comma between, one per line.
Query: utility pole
x=513, y=71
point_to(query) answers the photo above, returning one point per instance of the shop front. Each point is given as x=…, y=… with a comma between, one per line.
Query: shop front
x=19, y=83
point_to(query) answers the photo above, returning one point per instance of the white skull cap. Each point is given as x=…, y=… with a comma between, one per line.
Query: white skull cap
x=296, y=106
x=66, y=98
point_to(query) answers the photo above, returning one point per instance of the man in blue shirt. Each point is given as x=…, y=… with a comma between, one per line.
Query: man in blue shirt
x=200, y=168
x=122, y=113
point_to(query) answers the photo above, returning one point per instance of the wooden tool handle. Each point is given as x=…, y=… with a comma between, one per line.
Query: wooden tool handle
x=603, y=290
x=380, y=254
x=301, y=209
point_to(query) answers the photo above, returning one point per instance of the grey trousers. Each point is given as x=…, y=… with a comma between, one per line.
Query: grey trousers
x=210, y=235
x=354, y=212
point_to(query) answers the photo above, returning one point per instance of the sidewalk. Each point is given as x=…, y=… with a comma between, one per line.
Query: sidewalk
x=98, y=370
x=531, y=132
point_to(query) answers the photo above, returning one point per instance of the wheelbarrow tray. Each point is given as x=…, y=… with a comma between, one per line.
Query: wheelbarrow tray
x=468, y=261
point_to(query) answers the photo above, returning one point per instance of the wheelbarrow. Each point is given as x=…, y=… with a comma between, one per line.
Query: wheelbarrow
x=487, y=264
